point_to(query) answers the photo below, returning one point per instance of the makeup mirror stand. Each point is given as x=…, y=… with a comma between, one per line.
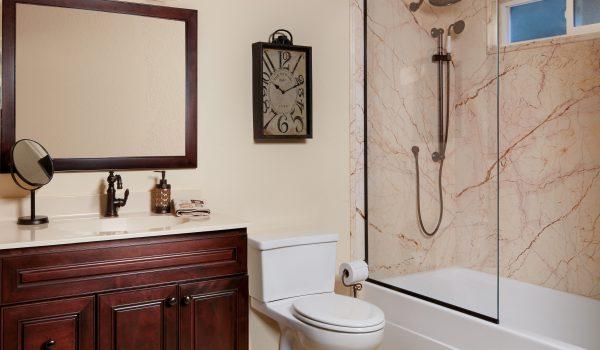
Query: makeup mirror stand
x=32, y=219
x=31, y=169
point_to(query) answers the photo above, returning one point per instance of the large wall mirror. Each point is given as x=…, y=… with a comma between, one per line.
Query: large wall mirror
x=101, y=84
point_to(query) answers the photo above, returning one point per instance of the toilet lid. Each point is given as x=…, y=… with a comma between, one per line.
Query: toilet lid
x=339, y=310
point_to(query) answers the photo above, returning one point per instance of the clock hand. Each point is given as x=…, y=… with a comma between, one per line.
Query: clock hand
x=293, y=87
x=278, y=88
x=269, y=122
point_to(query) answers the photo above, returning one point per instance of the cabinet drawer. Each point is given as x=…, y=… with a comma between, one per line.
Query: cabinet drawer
x=51, y=272
x=63, y=324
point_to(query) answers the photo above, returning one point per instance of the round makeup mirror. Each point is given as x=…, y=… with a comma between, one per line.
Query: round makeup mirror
x=31, y=168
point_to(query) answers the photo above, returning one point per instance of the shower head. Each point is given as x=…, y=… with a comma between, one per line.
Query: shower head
x=440, y=3
x=457, y=27
x=415, y=6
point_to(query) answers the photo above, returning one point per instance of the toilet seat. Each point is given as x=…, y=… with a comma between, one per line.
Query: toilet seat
x=339, y=313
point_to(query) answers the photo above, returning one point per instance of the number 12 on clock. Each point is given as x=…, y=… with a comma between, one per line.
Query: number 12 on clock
x=282, y=91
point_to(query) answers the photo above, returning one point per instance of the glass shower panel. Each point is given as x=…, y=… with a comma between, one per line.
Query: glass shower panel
x=432, y=147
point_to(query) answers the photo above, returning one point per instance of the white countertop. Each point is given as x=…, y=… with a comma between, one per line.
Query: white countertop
x=80, y=229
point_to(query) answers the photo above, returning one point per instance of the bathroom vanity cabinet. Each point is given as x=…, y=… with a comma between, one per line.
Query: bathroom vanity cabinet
x=185, y=291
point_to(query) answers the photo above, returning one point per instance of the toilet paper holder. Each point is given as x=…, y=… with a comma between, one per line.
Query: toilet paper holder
x=356, y=287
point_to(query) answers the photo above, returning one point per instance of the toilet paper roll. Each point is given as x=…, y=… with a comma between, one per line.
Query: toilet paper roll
x=354, y=272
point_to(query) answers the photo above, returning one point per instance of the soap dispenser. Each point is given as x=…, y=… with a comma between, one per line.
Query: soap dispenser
x=161, y=196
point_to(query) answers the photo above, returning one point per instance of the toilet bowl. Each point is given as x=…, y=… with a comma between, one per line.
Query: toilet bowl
x=339, y=325
x=292, y=280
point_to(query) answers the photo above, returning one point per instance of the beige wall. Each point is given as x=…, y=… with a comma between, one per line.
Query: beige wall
x=272, y=185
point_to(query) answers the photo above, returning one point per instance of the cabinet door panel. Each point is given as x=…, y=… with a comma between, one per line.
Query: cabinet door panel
x=138, y=319
x=214, y=315
x=67, y=324
x=62, y=332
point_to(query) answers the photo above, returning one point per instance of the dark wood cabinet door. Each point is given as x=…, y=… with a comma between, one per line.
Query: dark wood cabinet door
x=57, y=325
x=138, y=319
x=214, y=315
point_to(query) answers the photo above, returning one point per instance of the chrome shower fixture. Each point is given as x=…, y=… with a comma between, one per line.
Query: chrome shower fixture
x=415, y=6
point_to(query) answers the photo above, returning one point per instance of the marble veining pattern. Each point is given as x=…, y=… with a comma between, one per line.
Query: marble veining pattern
x=550, y=167
x=549, y=159
x=402, y=93
x=357, y=214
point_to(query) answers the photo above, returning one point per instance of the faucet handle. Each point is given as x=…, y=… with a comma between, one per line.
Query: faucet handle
x=120, y=202
x=125, y=198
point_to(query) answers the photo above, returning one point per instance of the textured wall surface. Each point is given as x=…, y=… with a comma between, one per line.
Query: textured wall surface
x=549, y=151
x=550, y=166
x=357, y=146
x=402, y=113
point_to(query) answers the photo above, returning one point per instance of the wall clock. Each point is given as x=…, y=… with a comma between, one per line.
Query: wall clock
x=282, y=93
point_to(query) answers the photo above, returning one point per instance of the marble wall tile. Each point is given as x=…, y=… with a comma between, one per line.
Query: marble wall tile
x=550, y=160
x=549, y=150
x=357, y=179
x=402, y=109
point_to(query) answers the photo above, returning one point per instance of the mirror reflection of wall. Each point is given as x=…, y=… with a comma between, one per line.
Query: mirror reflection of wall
x=32, y=162
x=95, y=84
x=31, y=168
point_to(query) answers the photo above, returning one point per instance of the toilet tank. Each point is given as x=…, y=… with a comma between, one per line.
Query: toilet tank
x=287, y=265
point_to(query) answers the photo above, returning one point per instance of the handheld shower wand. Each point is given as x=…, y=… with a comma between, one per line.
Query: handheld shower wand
x=455, y=28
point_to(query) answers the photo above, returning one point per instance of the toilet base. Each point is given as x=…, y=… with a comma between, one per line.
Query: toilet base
x=369, y=341
x=297, y=335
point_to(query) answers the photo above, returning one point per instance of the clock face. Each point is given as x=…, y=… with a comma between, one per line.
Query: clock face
x=284, y=90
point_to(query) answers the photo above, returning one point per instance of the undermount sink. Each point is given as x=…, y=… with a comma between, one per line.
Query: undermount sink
x=120, y=225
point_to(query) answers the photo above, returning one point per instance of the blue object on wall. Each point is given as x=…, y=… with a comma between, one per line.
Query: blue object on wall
x=539, y=19
x=587, y=12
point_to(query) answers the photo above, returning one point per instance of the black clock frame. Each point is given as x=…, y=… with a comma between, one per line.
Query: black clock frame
x=257, y=73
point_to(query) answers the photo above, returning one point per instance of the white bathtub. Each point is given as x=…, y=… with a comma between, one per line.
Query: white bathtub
x=531, y=317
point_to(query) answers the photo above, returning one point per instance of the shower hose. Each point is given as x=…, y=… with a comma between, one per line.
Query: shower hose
x=437, y=157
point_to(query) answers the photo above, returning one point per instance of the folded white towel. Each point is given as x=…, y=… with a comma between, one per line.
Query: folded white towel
x=190, y=207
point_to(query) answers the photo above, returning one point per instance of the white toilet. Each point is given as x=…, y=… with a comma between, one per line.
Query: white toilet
x=292, y=280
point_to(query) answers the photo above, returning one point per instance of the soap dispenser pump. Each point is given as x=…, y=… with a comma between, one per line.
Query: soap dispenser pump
x=161, y=195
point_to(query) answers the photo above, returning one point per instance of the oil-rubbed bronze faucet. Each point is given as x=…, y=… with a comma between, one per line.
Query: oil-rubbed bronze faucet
x=113, y=203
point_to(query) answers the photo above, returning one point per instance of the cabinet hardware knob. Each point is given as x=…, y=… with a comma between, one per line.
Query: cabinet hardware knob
x=186, y=300
x=49, y=344
x=171, y=301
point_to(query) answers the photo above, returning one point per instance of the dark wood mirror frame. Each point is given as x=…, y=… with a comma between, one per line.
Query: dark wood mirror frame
x=190, y=17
